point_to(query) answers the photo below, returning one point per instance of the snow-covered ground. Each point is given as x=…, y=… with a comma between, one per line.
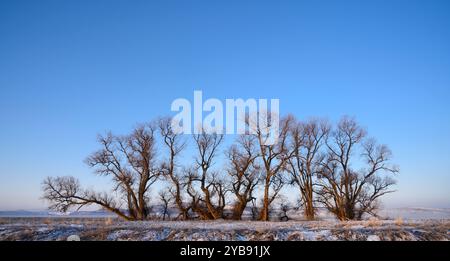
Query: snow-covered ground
x=113, y=229
x=391, y=224
x=415, y=213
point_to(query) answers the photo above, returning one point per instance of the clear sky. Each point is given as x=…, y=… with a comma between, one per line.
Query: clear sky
x=72, y=69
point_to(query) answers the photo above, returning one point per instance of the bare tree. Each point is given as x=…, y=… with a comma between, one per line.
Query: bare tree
x=128, y=160
x=284, y=207
x=274, y=158
x=165, y=196
x=244, y=172
x=346, y=192
x=170, y=169
x=65, y=192
x=210, y=202
x=254, y=209
x=307, y=158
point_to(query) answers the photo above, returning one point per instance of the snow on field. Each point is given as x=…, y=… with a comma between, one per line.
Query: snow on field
x=107, y=229
x=392, y=224
x=415, y=213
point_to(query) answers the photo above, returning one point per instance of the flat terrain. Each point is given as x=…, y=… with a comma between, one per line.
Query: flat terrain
x=60, y=228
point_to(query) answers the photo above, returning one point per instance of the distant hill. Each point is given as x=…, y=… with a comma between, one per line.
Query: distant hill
x=43, y=213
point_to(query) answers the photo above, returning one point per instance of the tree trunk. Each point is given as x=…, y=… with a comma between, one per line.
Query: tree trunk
x=238, y=209
x=309, y=210
x=264, y=215
x=309, y=205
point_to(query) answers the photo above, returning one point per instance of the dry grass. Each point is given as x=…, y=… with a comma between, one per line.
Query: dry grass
x=399, y=221
x=100, y=233
x=21, y=235
x=374, y=222
x=108, y=221
x=48, y=221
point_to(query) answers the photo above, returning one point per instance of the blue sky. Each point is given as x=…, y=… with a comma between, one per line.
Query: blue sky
x=72, y=69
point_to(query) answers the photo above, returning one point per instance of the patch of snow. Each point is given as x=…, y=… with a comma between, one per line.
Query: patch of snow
x=239, y=237
x=324, y=235
x=42, y=229
x=357, y=227
x=309, y=235
x=373, y=238
x=73, y=238
x=119, y=234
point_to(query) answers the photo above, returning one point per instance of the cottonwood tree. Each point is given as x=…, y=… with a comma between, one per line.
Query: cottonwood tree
x=129, y=161
x=273, y=157
x=165, y=197
x=206, y=188
x=284, y=207
x=348, y=192
x=170, y=169
x=254, y=209
x=243, y=171
x=307, y=139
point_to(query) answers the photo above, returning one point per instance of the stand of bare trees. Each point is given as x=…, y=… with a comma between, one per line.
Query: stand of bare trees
x=344, y=190
x=338, y=168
